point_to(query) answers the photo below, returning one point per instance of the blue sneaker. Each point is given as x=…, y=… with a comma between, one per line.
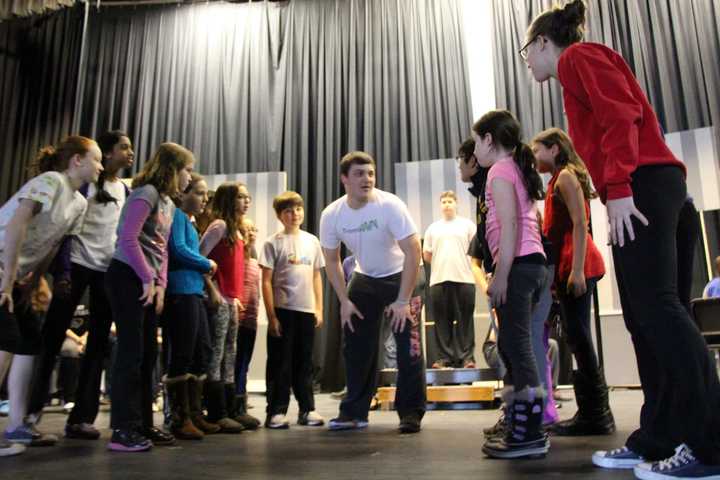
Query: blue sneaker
x=27, y=434
x=617, y=458
x=681, y=465
x=343, y=423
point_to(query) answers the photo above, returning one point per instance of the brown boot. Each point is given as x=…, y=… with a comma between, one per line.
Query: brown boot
x=195, y=392
x=180, y=424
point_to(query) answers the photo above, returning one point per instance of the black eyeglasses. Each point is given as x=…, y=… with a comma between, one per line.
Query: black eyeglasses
x=523, y=51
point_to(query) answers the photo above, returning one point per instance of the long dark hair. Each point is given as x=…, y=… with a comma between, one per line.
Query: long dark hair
x=567, y=157
x=224, y=207
x=563, y=25
x=505, y=131
x=107, y=142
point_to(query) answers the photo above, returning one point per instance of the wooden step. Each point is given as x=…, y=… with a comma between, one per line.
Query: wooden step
x=464, y=394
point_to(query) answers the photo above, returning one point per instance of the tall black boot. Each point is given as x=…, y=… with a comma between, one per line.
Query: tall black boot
x=524, y=436
x=593, y=416
x=244, y=418
x=217, y=408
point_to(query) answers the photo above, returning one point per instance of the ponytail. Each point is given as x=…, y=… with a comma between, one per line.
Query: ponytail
x=57, y=158
x=525, y=159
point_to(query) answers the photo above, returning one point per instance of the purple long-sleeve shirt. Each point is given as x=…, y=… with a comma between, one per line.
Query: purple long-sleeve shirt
x=143, y=234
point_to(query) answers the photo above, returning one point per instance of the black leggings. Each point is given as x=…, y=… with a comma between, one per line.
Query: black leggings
x=57, y=321
x=678, y=376
x=132, y=388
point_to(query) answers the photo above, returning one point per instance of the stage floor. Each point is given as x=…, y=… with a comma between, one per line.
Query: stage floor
x=448, y=447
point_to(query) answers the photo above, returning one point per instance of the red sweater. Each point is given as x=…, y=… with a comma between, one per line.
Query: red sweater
x=610, y=120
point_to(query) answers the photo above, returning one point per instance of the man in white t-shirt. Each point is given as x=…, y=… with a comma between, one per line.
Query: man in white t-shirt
x=452, y=285
x=376, y=226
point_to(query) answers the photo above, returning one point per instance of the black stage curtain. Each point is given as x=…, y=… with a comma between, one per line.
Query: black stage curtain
x=38, y=77
x=283, y=87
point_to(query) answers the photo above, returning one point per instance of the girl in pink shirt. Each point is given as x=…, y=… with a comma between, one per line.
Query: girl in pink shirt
x=513, y=236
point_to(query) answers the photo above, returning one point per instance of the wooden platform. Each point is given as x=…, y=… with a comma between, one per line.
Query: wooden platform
x=446, y=396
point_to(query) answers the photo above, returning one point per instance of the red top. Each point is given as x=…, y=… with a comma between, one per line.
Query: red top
x=610, y=120
x=230, y=273
x=558, y=228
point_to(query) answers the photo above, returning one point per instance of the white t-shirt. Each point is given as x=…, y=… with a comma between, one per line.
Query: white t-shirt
x=61, y=214
x=371, y=232
x=94, y=246
x=293, y=260
x=448, y=241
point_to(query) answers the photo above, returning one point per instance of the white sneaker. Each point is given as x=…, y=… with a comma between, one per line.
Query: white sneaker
x=10, y=449
x=277, y=421
x=619, y=458
x=310, y=419
x=68, y=407
x=4, y=408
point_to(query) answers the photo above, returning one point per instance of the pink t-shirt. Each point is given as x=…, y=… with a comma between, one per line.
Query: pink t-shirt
x=528, y=240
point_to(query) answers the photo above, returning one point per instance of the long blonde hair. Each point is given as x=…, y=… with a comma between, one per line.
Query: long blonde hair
x=567, y=157
x=161, y=171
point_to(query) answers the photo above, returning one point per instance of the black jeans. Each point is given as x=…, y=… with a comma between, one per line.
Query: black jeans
x=188, y=347
x=454, y=302
x=57, y=321
x=289, y=362
x=132, y=389
x=371, y=296
x=576, y=323
x=679, y=380
x=245, y=346
x=525, y=283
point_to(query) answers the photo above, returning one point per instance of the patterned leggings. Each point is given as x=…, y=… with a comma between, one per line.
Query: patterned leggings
x=223, y=332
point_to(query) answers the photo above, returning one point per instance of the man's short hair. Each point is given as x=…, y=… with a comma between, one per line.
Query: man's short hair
x=355, y=158
x=287, y=199
x=448, y=194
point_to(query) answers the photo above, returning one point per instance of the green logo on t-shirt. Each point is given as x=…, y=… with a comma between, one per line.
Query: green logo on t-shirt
x=364, y=227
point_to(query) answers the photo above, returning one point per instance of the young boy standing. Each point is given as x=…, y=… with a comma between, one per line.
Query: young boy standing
x=291, y=261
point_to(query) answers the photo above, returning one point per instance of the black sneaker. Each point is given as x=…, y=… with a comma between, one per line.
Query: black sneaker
x=128, y=441
x=82, y=431
x=410, y=423
x=158, y=437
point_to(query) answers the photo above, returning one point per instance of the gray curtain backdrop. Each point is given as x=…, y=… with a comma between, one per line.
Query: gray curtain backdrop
x=672, y=46
x=283, y=87
x=38, y=78
x=290, y=86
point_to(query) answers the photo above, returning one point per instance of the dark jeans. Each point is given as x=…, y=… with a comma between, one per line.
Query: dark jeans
x=289, y=362
x=245, y=346
x=454, y=302
x=678, y=376
x=371, y=296
x=57, y=321
x=525, y=283
x=576, y=323
x=185, y=324
x=132, y=389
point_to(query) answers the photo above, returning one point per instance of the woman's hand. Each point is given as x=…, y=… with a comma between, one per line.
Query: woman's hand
x=497, y=290
x=620, y=212
x=576, y=284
